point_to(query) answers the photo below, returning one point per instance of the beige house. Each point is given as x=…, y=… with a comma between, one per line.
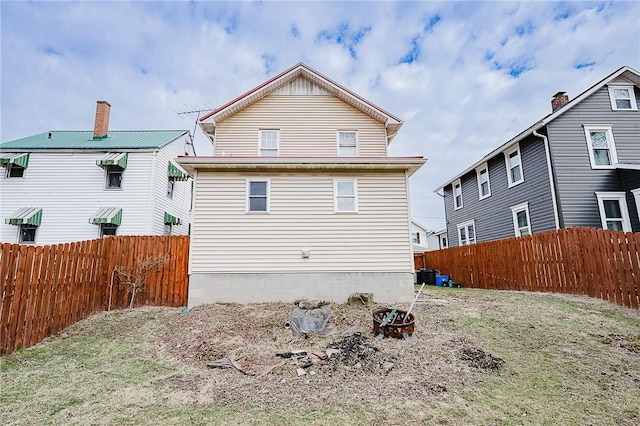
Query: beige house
x=300, y=199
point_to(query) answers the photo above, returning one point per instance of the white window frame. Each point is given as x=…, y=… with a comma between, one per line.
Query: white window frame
x=262, y=151
x=479, y=170
x=112, y=169
x=15, y=170
x=340, y=147
x=507, y=154
x=336, y=196
x=632, y=97
x=465, y=226
x=171, y=185
x=622, y=199
x=613, y=155
x=636, y=195
x=248, y=199
x=23, y=226
x=524, y=207
x=457, y=183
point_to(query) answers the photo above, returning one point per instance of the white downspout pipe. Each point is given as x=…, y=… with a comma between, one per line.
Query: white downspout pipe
x=551, y=180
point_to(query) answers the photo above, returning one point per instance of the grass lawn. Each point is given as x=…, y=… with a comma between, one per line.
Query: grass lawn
x=476, y=358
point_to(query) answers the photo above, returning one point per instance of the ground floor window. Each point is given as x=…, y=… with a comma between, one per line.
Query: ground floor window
x=107, y=229
x=521, y=222
x=167, y=229
x=614, y=213
x=27, y=234
x=467, y=233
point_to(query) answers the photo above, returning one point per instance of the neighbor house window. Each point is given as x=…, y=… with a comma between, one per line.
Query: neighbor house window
x=269, y=142
x=347, y=143
x=114, y=177
x=457, y=194
x=416, y=238
x=444, y=242
x=467, y=233
x=614, y=213
x=258, y=196
x=513, y=161
x=107, y=229
x=167, y=228
x=15, y=170
x=27, y=234
x=484, y=189
x=622, y=98
x=170, y=187
x=602, y=149
x=346, y=199
x=521, y=222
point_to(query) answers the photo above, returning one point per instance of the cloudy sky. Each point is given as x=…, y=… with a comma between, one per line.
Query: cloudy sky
x=464, y=76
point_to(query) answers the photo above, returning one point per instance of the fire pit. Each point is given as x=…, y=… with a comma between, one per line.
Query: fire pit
x=394, y=326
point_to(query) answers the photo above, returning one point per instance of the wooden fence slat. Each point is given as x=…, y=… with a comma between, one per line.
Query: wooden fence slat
x=34, y=295
x=7, y=275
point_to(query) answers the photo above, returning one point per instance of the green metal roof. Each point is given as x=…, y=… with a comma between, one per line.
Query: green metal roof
x=115, y=140
x=111, y=215
x=27, y=216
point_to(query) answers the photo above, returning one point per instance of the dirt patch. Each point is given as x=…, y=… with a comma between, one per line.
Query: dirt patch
x=183, y=382
x=629, y=342
x=477, y=358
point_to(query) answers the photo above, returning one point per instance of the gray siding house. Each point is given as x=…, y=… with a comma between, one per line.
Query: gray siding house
x=578, y=166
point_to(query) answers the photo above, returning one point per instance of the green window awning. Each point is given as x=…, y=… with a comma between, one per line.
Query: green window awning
x=111, y=215
x=175, y=173
x=26, y=216
x=171, y=220
x=21, y=160
x=114, y=159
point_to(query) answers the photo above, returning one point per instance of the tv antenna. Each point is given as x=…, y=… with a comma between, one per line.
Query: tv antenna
x=194, y=110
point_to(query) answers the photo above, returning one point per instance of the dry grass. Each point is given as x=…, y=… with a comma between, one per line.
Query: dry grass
x=476, y=357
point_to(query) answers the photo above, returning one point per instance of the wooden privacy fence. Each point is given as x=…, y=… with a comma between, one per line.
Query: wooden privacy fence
x=47, y=288
x=594, y=262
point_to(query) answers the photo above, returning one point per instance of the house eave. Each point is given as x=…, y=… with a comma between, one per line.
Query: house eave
x=271, y=164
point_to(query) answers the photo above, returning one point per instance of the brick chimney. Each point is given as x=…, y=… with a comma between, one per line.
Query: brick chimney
x=559, y=100
x=101, y=126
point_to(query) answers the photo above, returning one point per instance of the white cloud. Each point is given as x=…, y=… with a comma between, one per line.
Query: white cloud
x=151, y=60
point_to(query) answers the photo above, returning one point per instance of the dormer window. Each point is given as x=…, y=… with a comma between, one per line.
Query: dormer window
x=269, y=141
x=347, y=143
x=622, y=98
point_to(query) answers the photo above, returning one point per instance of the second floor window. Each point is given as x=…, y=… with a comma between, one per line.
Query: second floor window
x=269, y=143
x=114, y=177
x=602, y=149
x=457, y=194
x=514, y=166
x=170, y=186
x=484, y=189
x=347, y=143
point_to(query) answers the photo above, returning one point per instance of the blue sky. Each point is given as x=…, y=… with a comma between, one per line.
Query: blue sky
x=464, y=76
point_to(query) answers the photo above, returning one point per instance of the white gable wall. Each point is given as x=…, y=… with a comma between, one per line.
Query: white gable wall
x=308, y=127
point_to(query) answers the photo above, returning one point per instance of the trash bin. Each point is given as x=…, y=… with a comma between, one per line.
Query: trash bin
x=427, y=276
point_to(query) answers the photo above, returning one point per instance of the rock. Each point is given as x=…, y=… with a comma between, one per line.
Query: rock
x=387, y=366
x=363, y=299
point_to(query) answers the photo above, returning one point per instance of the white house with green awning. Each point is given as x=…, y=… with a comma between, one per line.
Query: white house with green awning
x=64, y=186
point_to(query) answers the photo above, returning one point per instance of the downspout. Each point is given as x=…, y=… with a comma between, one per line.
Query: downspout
x=551, y=180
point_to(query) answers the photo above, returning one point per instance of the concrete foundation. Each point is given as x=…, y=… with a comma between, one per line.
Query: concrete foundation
x=387, y=287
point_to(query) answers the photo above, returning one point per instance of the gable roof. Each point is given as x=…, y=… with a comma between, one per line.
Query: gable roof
x=209, y=121
x=625, y=72
x=83, y=140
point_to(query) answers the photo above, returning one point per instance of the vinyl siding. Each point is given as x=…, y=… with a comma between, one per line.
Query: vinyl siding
x=226, y=239
x=307, y=124
x=492, y=215
x=180, y=205
x=70, y=188
x=577, y=182
x=631, y=180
